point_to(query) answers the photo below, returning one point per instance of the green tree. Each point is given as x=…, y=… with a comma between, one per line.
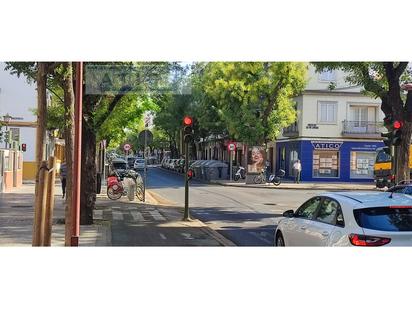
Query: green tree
x=253, y=99
x=383, y=80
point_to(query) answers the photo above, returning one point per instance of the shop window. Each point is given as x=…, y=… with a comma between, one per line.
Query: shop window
x=361, y=164
x=326, y=164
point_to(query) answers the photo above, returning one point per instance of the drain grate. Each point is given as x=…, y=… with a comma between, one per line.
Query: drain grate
x=270, y=204
x=22, y=206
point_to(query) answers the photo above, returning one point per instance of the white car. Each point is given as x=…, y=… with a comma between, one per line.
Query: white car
x=138, y=164
x=348, y=219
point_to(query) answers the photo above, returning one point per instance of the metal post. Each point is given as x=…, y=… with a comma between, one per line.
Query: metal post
x=186, y=215
x=77, y=156
x=230, y=164
x=145, y=166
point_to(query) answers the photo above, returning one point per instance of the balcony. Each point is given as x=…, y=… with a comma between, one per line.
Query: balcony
x=362, y=129
x=291, y=131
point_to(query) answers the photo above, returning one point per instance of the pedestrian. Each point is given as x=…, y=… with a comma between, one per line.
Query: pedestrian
x=297, y=169
x=63, y=175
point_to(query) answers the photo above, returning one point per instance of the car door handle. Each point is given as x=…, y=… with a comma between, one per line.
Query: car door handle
x=325, y=233
x=303, y=227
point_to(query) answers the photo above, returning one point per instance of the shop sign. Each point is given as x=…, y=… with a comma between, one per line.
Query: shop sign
x=322, y=145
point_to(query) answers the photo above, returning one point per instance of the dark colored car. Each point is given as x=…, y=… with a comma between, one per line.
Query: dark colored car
x=405, y=188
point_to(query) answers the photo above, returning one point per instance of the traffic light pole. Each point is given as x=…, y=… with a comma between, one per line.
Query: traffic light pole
x=186, y=216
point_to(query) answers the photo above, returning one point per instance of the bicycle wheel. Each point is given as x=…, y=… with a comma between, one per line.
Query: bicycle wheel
x=114, y=195
x=258, y=179
x=139, y=193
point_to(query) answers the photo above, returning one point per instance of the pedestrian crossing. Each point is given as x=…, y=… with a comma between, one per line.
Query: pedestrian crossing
x=129, y=213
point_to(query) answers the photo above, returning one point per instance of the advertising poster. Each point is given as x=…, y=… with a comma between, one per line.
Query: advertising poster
x=256, y=159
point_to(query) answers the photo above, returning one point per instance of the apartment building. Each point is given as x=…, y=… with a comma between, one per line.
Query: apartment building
x=336, y=134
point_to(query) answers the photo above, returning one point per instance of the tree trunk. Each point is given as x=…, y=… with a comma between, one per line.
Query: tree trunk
x=403, y=171
x=67, y=85
x=88, y=172
x=41, y=80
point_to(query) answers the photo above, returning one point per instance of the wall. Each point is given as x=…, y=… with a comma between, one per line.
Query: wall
x=309, y=113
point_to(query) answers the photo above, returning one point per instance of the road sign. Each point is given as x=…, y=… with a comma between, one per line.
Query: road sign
x=231, y=147
x=142, y=137
x=127, y=147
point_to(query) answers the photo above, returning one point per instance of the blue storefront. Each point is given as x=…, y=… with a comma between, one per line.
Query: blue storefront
x=329, y=160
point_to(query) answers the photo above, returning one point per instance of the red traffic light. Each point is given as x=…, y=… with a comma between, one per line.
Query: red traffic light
x=188, y=121
x=189, y=174
x=397, y=124
x=23, y=147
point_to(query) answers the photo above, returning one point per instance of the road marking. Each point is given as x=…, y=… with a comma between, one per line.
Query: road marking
x=162, y=236
x=157, y=216
x=137, y=216
x=261, y=236
x=98, y=214
x=117, y=215
x=187, y=235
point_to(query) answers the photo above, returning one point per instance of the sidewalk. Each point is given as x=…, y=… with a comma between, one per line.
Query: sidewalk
x=330, y=186
x=158, y=222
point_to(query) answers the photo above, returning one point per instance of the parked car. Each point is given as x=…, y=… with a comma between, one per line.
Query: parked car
x=138, y=164
x=403, y=187
x=348, y=219
x=130, y=162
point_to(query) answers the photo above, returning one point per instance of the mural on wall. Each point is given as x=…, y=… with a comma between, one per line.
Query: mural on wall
x=256, y=159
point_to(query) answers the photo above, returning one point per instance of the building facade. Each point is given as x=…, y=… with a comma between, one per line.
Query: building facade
x=336, y=134
x=18, y=98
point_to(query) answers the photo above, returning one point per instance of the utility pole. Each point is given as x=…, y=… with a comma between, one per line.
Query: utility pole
x=77, y=156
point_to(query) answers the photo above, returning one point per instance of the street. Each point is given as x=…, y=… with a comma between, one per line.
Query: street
x=246, y=216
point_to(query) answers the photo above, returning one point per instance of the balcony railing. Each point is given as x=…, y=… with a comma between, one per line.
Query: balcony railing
x=362, y=128
x=291, y=130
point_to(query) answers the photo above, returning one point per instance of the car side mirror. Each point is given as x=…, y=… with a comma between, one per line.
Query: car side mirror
x=288, y=213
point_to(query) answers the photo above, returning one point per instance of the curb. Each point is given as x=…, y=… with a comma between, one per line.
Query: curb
x=291, y=188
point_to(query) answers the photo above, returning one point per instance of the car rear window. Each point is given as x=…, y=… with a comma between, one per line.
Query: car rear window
x=119, y=166
x=385, y=219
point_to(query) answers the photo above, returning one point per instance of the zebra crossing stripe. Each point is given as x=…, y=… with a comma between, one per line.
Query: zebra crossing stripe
x=117, y=215
x=157, y=216
x=98, y=214
x=137, y=216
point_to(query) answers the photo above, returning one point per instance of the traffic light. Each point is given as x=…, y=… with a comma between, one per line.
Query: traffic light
x=23, y=147
x=188, y=129
x=394, y=135
x=189, y=174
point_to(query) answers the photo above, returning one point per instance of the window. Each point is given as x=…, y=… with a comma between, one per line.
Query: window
x=326, y=164
x=361, y=164
x=327, y=112
x=308, y=209
x=327, y=211
x=404, y=190
x=327, y=76
x=383, y=157
x=384, y=219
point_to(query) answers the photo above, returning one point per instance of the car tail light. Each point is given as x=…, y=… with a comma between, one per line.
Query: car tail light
x=400, y=206
x=368, y=241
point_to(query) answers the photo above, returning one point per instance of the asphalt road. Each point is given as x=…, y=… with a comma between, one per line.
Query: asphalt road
x=246, y=216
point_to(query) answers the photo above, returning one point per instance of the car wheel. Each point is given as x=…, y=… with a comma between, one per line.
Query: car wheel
x=279, y=241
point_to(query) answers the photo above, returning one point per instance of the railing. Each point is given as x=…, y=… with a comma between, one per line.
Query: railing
x=291, y=130
x=362, y=128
